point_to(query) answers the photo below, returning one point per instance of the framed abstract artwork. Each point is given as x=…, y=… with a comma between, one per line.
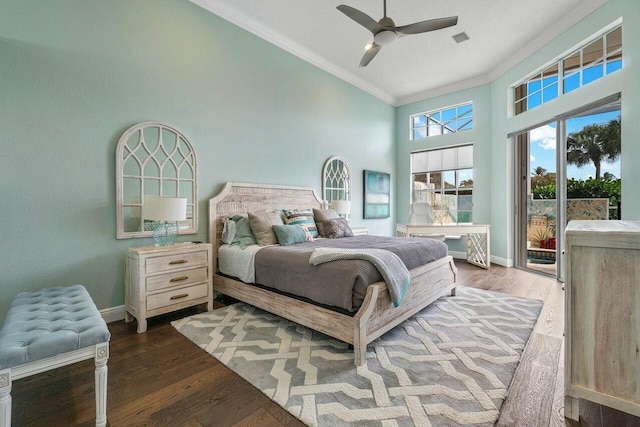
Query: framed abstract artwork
x=377, y=195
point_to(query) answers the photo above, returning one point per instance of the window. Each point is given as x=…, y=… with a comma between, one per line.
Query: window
x=590, y=62
x=442, y=121
x=443, y=178
x=541, y=88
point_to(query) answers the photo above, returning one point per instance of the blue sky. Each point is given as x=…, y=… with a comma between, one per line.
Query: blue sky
x=543, y=147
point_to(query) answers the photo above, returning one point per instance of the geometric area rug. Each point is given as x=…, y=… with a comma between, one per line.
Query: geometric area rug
x=450, y=364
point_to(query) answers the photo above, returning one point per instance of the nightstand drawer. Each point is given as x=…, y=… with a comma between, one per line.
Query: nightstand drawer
x=176, y=296
x=177, y=261
x=178, y=278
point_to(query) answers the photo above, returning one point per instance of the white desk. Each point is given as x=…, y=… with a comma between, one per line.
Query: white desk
x=478, y=238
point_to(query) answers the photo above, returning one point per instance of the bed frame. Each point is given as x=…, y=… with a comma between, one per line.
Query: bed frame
x=377, y=314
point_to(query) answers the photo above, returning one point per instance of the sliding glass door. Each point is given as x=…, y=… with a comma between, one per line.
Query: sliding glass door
x=567, y=169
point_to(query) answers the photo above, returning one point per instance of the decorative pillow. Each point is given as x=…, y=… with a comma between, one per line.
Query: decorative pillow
x=229, y=231
x=307, y=233
x=261, y=225
x=337, y=227
x=290, y=234
x=301, y=217
x=322, y=215
x=243, y=234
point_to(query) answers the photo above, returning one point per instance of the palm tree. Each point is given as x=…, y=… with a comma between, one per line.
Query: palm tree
x=594, y=144
x=539, y=171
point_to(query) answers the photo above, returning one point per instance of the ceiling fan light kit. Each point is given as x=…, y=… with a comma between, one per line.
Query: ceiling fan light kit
x=385, y=37
x=385, y=31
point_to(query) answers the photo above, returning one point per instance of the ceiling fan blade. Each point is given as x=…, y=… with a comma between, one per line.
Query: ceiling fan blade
x=361, y=18
x=425, y=26
x=369, y=55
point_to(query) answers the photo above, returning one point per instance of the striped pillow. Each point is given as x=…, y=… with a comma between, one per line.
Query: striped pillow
x=303, y=217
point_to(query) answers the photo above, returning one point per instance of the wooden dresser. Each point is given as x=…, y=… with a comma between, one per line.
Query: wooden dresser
x=161, y=279
x=602, y=322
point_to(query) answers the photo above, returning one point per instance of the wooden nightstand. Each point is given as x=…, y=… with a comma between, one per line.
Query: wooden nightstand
x=360, y=231
x=161, y=279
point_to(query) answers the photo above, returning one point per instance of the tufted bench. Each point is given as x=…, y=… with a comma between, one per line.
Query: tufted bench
x=48, y=329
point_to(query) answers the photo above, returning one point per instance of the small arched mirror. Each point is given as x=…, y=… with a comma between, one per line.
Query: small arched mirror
x=153, y=159
x=336, y=185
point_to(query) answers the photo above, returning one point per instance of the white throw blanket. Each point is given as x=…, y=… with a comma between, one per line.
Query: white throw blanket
x=391, y=268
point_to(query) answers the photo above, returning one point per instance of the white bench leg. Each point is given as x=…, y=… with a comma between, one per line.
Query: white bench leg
x=102, y=356
x=5, y=398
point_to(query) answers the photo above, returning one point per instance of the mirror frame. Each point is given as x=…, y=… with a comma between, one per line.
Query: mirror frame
x=340, y=175
x=124, y=152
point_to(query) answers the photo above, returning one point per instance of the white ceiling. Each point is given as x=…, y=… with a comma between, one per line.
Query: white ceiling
x=502, y=33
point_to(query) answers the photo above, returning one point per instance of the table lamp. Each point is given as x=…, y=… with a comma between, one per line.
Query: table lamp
x=342, y=207
x=165, y=211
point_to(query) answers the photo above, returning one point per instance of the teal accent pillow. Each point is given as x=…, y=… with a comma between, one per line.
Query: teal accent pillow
x=243, y=236
x=303, y=218
x=289, y=234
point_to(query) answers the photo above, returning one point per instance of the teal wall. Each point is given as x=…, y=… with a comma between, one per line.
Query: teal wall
x=75, y=74
x=493, y=151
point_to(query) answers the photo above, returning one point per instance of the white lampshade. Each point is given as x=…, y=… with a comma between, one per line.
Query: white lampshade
x=342, y=207
x=158, y=208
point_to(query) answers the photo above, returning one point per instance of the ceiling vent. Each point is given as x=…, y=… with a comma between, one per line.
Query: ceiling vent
x=461, y=37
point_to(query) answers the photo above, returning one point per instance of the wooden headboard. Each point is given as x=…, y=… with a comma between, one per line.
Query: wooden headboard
x=242, y=197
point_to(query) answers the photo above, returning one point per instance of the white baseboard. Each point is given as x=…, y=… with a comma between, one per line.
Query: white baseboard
x=458, y=255
x=113, y=314
x=494, y=259
x=505, y=262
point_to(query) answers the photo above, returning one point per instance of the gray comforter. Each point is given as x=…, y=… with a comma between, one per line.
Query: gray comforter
x=340, y=283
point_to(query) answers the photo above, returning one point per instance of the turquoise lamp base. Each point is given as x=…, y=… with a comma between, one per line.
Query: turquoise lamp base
x=165, y=233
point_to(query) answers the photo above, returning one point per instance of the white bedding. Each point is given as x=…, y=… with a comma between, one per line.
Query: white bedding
x=236, y=262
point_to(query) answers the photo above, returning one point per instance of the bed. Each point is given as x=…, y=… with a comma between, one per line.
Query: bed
x=375, y=316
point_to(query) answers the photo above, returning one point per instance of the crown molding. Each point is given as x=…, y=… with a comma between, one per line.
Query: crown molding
x=443, y=90
x=251, y=25
x=256, y=28
x=533, y=46
x=559, y=27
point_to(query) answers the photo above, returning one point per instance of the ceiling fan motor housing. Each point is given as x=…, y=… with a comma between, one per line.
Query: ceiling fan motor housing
x=385, y=31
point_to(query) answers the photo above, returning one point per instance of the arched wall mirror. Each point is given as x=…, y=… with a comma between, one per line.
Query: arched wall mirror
x=336, y=182
x=153, y=159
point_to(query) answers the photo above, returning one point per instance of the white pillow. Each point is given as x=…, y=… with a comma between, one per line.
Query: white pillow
x=229, y=231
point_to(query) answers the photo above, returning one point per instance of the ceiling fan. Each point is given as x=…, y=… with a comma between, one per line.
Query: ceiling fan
x=385, y=31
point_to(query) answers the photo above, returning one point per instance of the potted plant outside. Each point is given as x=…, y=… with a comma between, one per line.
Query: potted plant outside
x=551, y=241
x=540, y=237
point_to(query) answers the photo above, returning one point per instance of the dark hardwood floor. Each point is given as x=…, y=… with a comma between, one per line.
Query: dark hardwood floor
x=160, y=378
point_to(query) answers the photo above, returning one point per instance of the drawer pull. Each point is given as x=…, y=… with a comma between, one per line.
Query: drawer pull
x=178, y=261
x=179, y=279
x=179, y=296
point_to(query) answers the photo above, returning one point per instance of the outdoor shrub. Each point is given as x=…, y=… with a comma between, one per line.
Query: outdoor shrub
x=581, y=189
x=601, y=188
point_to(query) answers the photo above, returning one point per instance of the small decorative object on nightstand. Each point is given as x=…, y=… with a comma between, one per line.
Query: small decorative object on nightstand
x=162, y=279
